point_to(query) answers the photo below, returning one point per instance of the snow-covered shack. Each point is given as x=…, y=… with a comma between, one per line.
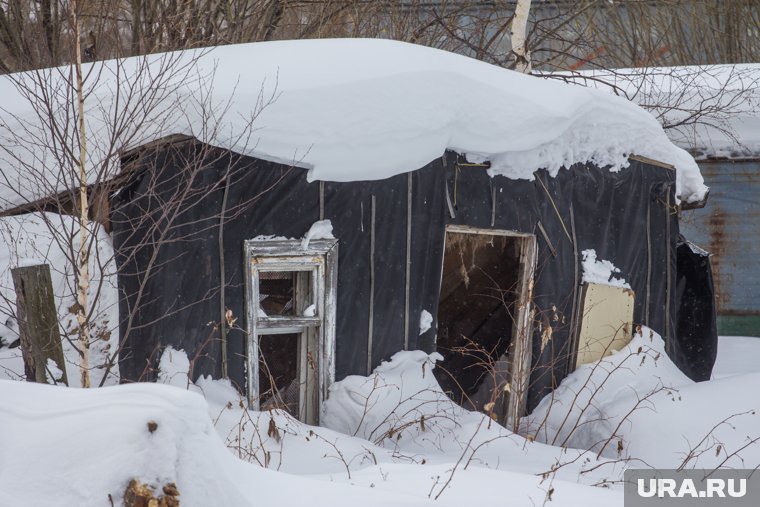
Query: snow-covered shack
x=517, y=225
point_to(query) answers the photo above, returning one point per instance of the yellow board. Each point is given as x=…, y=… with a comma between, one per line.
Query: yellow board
x=607, y=321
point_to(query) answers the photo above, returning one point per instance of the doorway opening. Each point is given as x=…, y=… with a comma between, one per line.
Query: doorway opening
x=484, y=320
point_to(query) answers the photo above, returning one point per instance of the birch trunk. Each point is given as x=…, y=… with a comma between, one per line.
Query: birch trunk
x=83, y=278
x=519, y=29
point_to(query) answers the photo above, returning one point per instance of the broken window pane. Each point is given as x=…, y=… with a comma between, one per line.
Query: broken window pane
x=277, y=292
x=278, y=372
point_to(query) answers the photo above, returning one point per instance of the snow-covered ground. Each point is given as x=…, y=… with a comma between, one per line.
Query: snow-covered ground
x=392, y=438
x=637, y=405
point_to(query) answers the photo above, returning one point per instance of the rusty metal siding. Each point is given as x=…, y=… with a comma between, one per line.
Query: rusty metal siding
x=729, y=228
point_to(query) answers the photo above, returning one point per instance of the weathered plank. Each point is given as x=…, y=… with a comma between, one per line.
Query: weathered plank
x=38, y=323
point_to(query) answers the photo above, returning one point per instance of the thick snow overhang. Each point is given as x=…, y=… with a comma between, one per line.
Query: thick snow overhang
x=345, y=109
x=712, y=111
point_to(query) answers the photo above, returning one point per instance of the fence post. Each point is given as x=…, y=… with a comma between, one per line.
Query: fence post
x=38, y=323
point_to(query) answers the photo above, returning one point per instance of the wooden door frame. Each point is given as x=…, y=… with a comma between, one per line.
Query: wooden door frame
x=521, y=347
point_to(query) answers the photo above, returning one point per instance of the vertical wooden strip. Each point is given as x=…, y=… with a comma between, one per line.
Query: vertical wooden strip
x=371, y=284
x=493, y=204
x=649, y=265
x=223, y=281
x=668, y=285
x=321, y=200
x=408, y=258
x=448, y=202
x=575, y=314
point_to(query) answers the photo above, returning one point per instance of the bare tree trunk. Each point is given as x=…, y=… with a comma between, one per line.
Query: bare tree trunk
x=519, y=28
x=83, y=278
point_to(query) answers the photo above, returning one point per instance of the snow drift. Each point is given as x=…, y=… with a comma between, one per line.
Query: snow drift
x=62, y=446
x=711, y=110
x=346, y=109
x=636, y=404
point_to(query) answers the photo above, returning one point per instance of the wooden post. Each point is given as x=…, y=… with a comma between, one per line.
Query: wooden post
x=38, y=323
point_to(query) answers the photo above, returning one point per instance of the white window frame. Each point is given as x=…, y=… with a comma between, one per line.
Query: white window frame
x=320, y=259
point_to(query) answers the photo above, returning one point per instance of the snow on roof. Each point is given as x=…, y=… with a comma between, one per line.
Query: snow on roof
x=710, y=110
x=346, y=109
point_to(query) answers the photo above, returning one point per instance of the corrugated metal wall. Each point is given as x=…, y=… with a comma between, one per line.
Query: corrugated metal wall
x=729, y=228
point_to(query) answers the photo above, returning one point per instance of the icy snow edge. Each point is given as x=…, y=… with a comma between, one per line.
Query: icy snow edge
x=360, y=109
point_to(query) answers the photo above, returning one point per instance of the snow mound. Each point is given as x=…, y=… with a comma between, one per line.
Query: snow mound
x=402, y=408
x=601, y=271
x=274, y=440
x=637, y=405
x=62, y=446
x=398, y=400
x=321, y=229
x=426, y=321
x=85, y=445
x=346, y=109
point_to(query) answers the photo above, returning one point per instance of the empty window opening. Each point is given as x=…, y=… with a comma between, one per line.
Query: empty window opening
x=481, y=303
x=278, y=372
x=288, y=374
x=276, y=292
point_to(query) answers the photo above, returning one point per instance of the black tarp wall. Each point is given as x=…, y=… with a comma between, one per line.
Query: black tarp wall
x=166, y=223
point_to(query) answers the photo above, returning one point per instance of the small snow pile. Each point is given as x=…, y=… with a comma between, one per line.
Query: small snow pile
x=396, y=402
x=601, y=271
x=426, y=321
x=54, y=373
x=321, y=229
x=45, y=238
x=174, y=369
x=636, y=404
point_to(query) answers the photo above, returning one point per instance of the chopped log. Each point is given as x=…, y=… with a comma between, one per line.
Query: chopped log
x=138, y=494
x=38, y=323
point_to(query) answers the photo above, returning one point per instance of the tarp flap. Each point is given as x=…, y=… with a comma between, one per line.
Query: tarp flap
x=696, y=312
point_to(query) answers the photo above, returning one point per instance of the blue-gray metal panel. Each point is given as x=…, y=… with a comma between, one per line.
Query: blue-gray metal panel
x=729, y=228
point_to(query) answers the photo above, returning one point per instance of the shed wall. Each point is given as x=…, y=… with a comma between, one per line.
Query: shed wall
x=170, y=283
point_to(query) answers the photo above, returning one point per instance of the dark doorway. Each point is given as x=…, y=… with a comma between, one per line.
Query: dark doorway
x=476, y=315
